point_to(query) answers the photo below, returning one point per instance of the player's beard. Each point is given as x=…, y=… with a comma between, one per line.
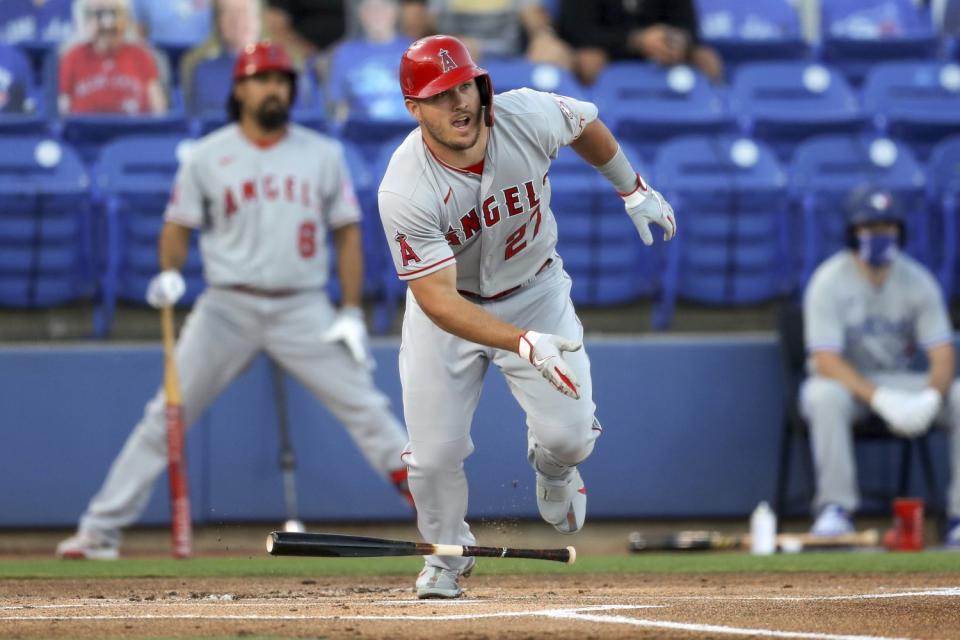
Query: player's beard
x=438, y=134
x=272, y=114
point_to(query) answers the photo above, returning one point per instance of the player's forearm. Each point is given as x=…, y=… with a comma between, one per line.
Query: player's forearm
x=833, y=365
x=597, y=146
x=349, y=264
x=942, y=368
x=174, y=246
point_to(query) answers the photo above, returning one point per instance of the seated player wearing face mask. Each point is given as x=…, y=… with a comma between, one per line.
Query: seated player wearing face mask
x=867, y=310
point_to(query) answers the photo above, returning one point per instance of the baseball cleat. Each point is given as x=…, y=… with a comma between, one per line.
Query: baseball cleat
x=562, y=503
x=833, y=520
x=84, y=546
x=436, y=582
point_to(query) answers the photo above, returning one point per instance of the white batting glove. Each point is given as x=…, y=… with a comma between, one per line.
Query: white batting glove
x=645, y=205
x=545, y=352
x=908, y=413
x=350, y=328
x=165, y=288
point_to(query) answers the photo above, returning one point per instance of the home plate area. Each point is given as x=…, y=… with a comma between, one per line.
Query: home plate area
x=582, y=607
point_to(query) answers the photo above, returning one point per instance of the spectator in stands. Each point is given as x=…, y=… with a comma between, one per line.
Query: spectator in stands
x=32, y=22
x=363, y=70
x=173, y=23
x=15, y=81
x=866, y=311
x=109, y=70
x=306, y=28
x=662, y=31
x=509, y=28
x=236, y=24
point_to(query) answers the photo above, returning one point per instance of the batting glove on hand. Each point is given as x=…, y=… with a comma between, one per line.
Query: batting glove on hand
x=165, y=288
x=645, y=205
x=545, y=352
x=350, y=328
x=907, y=413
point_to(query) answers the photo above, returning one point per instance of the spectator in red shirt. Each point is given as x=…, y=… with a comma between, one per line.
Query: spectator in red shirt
x=108, y=71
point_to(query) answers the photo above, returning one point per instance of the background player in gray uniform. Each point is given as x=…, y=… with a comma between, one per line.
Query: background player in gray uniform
x=867, y=310
x=263, y=193
x=465, y=206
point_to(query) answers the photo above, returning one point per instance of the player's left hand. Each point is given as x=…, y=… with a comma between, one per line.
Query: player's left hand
x=645, y=205
x=545, y=352
x=351, y=329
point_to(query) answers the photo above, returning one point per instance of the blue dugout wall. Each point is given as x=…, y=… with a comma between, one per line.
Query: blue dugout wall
x=692, y=427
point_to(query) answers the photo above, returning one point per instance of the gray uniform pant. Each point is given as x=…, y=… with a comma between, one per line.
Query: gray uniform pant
x=442, y=378
x=221, y=336
x=830, y=409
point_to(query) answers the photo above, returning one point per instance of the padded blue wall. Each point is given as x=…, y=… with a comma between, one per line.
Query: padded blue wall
x=691, y=428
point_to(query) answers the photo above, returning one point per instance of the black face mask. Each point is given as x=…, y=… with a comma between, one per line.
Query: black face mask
x=272, y=115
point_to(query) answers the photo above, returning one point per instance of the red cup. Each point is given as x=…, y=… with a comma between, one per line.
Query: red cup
x=907, y=531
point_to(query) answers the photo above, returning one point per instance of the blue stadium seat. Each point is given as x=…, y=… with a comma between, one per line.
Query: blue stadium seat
x=859, y=33
x=751, y=31
x=785, y=102
x=598, y=243
x=514, y=73
x=730, y=196
x=943, y=176
x=46, y=240
x=824, y=171
x=134, y=178
x=916, y=101
x=647, y=104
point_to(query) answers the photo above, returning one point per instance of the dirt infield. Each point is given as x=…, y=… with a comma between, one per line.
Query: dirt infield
x=576, y=607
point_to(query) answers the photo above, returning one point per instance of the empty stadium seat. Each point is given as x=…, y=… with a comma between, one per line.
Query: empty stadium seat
x=134, y=178
x=731, y=197
x=824, y=171
x=751, y=31
x=514, y=73
x=943, y=176
x=785, y=102
x=918, y=102
x=46, y=244
x=647, y=104
x=596, y=239
x=859, y=33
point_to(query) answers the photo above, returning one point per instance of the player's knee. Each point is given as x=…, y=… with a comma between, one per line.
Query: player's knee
x=823, y=394
x=438, y=457
x=573, y=445
x=151, y=431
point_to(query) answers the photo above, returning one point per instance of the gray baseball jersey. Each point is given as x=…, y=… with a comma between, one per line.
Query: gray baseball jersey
x=497, y=226
x=264, y=211
x=875, y=329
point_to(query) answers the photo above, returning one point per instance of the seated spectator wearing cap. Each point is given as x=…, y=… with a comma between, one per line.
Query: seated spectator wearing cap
x=363, y=70
x=235, y=25
x=497, y=28
x=15, y=81
x=173, y=23
x=867, y=310
x=662, y=31
x=108, y=70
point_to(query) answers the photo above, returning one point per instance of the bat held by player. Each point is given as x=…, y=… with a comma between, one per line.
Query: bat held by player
x=714, y=541
x=331, y=545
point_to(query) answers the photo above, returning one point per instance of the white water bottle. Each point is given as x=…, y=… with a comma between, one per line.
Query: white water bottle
x=763, y=530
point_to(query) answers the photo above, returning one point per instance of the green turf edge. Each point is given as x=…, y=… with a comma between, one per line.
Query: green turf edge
x=863, y=562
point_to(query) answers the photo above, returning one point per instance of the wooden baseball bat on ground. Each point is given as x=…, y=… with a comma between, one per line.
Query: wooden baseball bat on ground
x=176, y=457
x=330, y=545
x=714, y=540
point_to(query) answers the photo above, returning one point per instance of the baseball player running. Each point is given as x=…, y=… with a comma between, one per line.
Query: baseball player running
x=867, y=311
x=263, y=194
x=465, y=206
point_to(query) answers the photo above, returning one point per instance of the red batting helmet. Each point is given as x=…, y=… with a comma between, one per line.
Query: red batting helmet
x=434, y=64
x=260, y=58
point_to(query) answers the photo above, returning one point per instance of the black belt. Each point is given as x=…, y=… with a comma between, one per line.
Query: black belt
x=263, y=293
x=476, y=297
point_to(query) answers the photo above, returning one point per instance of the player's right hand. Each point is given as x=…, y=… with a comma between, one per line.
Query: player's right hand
x=165, y=288
x=545, y=352
x=645, y=205
x=907, y=413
